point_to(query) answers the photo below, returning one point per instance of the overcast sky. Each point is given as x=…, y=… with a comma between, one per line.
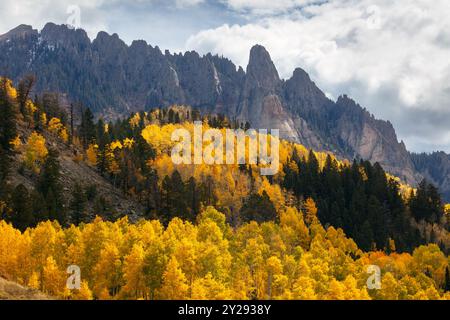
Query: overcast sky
x=391, y=57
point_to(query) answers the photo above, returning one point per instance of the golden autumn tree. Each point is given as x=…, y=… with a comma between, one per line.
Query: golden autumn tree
x=91, y=154
x=310, y=211
x=174, y=285
x=56, y=127
x=134, y=275
x=84, y=293
x=35, y=151
x=53, y=279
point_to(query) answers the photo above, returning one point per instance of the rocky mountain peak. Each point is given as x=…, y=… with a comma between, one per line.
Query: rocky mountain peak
x=303, y=94
x=64, y=35
x=20, y=31
x=105, y=39
x=300, y=76
x=261, y=69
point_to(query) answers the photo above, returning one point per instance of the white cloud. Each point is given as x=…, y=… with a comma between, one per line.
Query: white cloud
x=37, y=13
x=96, y=15
x=187, y=3
x=365, y=48
x=266, y=6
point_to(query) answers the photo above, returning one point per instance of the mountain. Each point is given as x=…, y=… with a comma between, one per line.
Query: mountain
x=436, y=168
x=114, y=79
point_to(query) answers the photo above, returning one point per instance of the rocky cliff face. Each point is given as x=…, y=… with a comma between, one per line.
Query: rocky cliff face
x=115, y=79
x=435, y=168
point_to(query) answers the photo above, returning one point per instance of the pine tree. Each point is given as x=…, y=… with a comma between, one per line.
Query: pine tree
x=87, y=129
x=50, y=187
x=22, y=217
x=427, y=203
x=40, y=210
x=23, y=93
x=8, y=119
x=78, y=205
x=8, y=132
x=258, y=208
x=447, y=280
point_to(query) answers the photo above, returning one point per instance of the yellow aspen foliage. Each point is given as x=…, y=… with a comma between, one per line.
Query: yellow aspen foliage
x=447, y=208
x=392, y=247
x=43, y=119
x=274, y=192
x=34, y=282
x=208, y=288
x=9, y=249
x=174, y=285
x=134, y=275
x=390, y=288
x=304, y=289
x=53, y=280
x=135, y=120
x=35, y=151
x=210, y=259
x=10, y=89
x=16, y=143
x=113, y=165
x=276, y=282
x=108, y=270
x=84, y=293
x=128, y=143
x=115, y=145
x=30, y=107
x=336, y=290
x=159, y=137
x=54, y=125
x=310, y=211
x=430, y=259
x=295, y=232
x=64, y=135
x=91, y=154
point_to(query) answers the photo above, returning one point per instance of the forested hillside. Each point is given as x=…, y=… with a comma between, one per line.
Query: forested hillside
x=205, y=231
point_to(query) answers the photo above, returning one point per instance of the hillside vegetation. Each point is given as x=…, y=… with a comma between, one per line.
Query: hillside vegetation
x=205, y=231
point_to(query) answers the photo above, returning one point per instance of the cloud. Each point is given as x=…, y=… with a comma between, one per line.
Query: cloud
x=96, y=15
x=267, y=7
x=392, y=57
x=187, y=3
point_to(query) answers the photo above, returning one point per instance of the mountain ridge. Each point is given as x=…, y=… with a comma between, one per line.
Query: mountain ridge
x=130, y=78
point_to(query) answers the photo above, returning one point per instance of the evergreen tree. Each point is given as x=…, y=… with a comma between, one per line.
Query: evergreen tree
x=447, y=280
x=426, y=204
x=23, y=93
x=258, y=208
x=87, y=129
x=22, y=217
x=40, y=210
x=50, y=187
x=193, y=200
x=8, y=118
x=174, y=200
x=8, y=132
x=77, y=205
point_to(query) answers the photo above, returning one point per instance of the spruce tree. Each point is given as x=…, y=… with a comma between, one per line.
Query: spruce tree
x=50, y=187
x=447, y=280
x=22, y=216
x=77, y=205
x=87, y=128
